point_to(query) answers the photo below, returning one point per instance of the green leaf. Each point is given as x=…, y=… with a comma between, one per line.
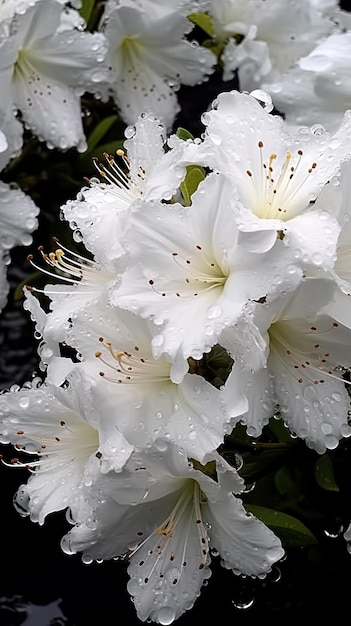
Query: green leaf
x=85, y=160
x=87, y=9
x=204, y=21
x=324, y=473
x=99, y=132
x=194, y=175
x=285, y=484
x=290, y=530
x=183, y=134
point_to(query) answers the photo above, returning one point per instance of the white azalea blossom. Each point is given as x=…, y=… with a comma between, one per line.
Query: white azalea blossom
x=151, y=58
x=192, y=271
x=168, y=532
x=134, y=390
x=44, y=69
x=58, y=433
x=278, y=175
x=142, y=171
x=263, y=38
x=307, y=353
x=18, y=219
x=318, y=89
x=101, y=215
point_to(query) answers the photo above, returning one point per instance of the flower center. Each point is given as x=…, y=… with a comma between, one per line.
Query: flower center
x=307, y=359
x=131, y=367
x=277, y=183
x=121, y=183
x=199, y=274
x=67, y=266
x=71, y=443
x=168, y=554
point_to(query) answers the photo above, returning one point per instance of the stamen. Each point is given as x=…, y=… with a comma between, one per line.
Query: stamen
x=132, y=367
x=274, y=195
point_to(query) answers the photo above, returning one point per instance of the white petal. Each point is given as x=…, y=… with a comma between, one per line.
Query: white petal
x=51, y=110
x=316, y=413
x=245, y=544
x=18, y=217
x=259, y=391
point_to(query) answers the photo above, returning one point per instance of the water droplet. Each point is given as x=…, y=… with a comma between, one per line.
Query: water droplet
x=331, y=442
x=213, y=312
x=336, y=396
x=161, y=445
x=24, y=402
x=129, y=132
x=166, y=615
x=243, y=604
x=334, y=143
x=173, y=575
x=263, y=98
x=317, y=129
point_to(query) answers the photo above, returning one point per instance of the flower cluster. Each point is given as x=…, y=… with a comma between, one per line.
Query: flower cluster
x=205, y=287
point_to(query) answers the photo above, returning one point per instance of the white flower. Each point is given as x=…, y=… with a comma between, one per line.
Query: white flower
x=278, y=175
x=134, y=391
x=168, y=532
x=58, y=431
x=192, y=272
x=18, y=219
x=318, y=90
x=307, y=353
x=100, y=216
x=263, y=38
x=44, y=69
x=101, y=212
x=151, y=57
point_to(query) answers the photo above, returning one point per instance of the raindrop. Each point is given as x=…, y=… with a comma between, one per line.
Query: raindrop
x=317, y=129
x=263, y=98
x=213, y=312
x=172, y=575
x=243, y=604
x=24, y=402
x=129, y=132
x=166, y=615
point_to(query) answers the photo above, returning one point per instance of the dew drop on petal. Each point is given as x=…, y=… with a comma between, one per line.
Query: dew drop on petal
x=263, y=98
x=129, y=132
x=334, y=143
x=213, y=312
x=166, y=615
x=172, y=575
x=161, y=445
x=24, y=402
x=331, y=442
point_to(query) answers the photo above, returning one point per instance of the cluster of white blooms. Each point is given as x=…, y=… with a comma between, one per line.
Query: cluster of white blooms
x=48, y=60
x=253, y=259
x=297, y=50
x=236, y=243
